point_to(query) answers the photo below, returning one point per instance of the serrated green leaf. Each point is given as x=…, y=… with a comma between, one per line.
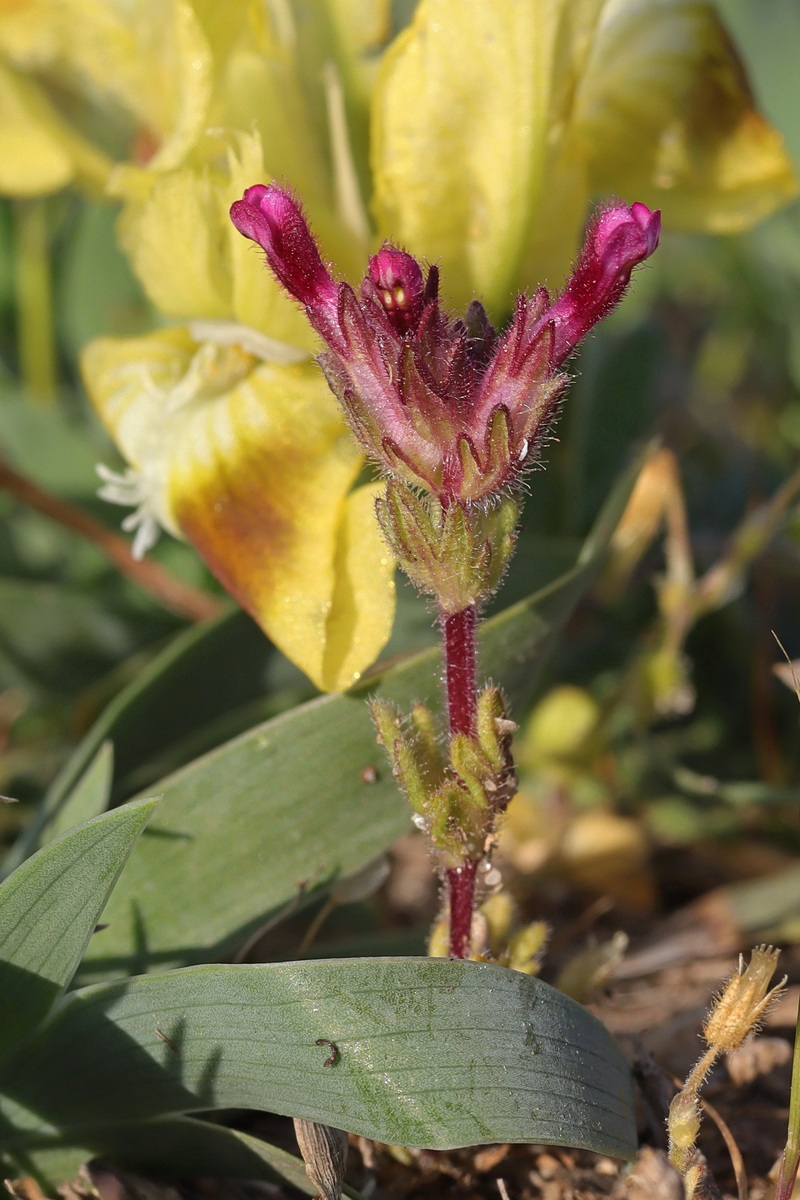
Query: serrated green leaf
x=88, y=798
x=269, y=819
x=421, y=1052
x=48, y=910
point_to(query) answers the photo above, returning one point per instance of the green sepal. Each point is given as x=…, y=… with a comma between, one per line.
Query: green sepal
x=498, y=445
x=427, y=739
x=495, y=729
x=473, y=769
x=453, y=825
x=457, y=554
x=410, y=777
x=502, y=523
x=413, y=753
x=386, y=719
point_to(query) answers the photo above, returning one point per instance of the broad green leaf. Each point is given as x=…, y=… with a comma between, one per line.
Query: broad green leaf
x=770, y=905
x=172, y=1146
x=426, y=1052
x=187, y=688
x=89, y=797
x=734, y=792
x=45, y=444
x=56, y=636
x=96, y=291
x=48, y=911
x=280, y=812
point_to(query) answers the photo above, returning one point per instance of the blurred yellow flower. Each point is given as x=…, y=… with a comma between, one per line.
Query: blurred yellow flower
x=476, y=138
x=231, y=433
x=149, y=60
x=523, y=112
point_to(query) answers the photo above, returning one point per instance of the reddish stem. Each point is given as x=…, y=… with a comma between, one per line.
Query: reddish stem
x=459, y=660
x=461, y=892
x=458, y=630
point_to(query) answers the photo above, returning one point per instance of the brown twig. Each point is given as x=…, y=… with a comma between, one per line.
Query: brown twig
x=735, y=1154
x=178, y=597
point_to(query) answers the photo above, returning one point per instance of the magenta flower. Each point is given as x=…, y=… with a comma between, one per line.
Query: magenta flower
x=448, y=405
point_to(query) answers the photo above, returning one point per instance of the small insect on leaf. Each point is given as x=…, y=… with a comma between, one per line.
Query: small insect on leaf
x=334, y=1056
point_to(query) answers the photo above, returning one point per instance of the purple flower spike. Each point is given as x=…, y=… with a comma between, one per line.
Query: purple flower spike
x=446, y=405
x=616, y=241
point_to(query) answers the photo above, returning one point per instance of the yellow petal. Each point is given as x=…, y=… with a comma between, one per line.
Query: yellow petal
x=186, y=67
x=252, y=463
x=556, y=231
x=271, y=80
x=132, y=384
x=259, y=489
x=176, y=242
x=29, y=36
x=151, y=57
x=363, y=24
x=461, y=116
x=667, y=117
x=33, y=159
x=362, y=606
x=260, y=86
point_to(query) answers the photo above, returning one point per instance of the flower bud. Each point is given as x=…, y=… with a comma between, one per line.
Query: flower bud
x=743, y=1001
x=442, y=404
x=683, y=1121
x=616, y=241
x=271, y=217
x=394, y=279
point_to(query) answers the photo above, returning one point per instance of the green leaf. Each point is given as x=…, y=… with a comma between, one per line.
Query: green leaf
x=169, y=698
x=421, y=1052
x=171, y=1147
x=51, y=447
x=48, y=911
x=57, y=638
x=98, y=293
x=88, y=798
x=269, y=819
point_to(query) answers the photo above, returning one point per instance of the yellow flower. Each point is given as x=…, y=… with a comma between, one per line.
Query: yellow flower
x=495, y=123
x=149, y=59
x=476, y=139
x=232, y=436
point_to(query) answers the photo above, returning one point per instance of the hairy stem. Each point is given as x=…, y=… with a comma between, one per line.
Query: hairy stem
x=461, y=894
x=458, y=631
x=459, y=659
